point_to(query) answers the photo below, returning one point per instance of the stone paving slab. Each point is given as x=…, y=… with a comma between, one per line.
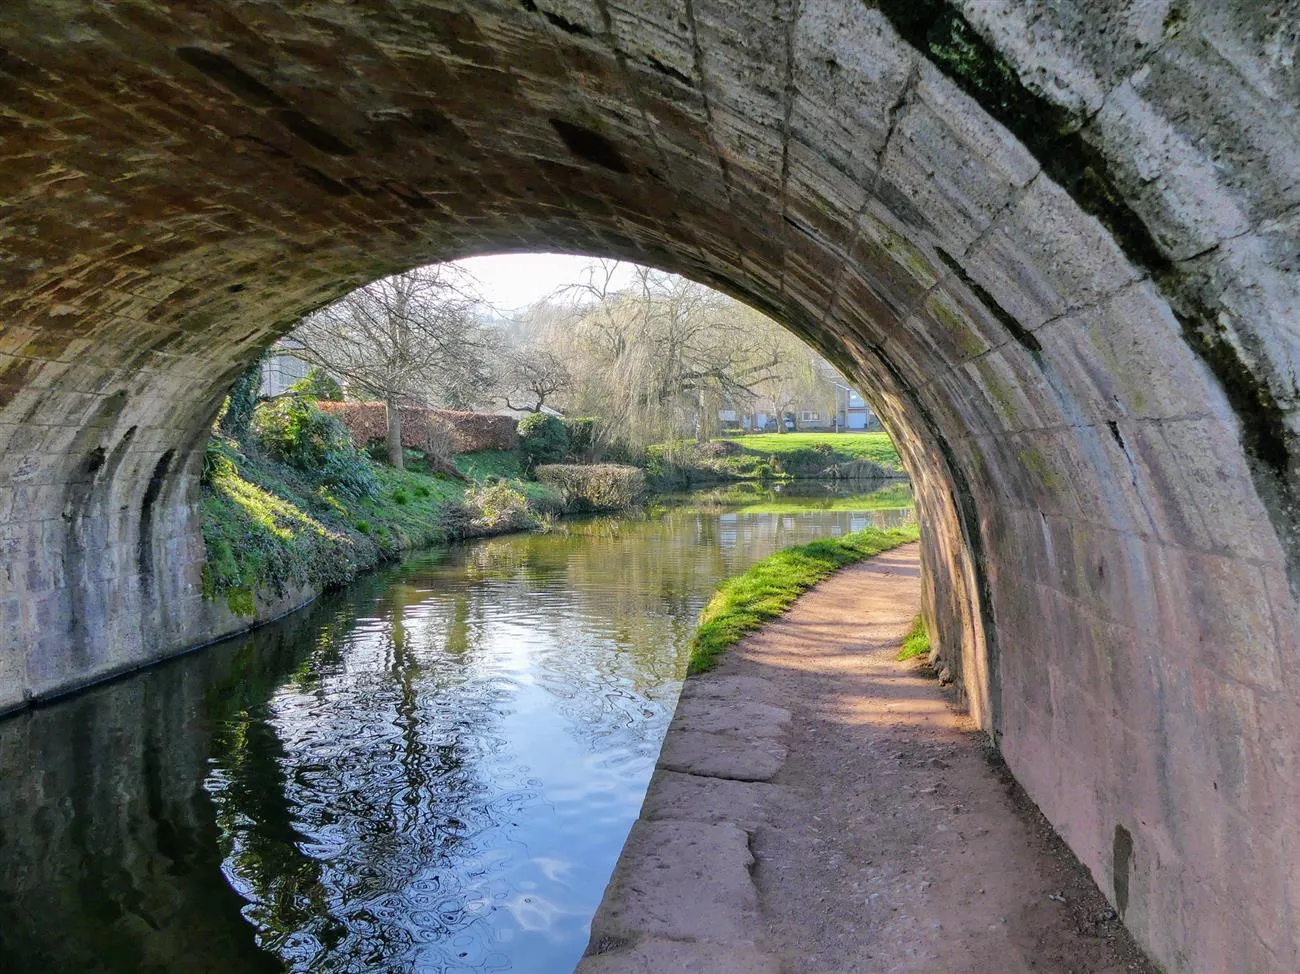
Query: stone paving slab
x=722, y=755
x=744, y=718
x=693, y=798
x=654, y=956
x=744, y=689
x=681, y=881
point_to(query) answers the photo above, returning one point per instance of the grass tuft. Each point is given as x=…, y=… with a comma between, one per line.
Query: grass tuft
x=916, y=642
x=769, y=587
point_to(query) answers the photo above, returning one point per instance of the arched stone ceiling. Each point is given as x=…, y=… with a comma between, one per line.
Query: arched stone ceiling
x=1056, y=242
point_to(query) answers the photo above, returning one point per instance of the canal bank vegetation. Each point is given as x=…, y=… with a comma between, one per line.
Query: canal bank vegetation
x=769, y=587
x=772, y=458
x=428, y=416
x=290, y=502
x=748, y=497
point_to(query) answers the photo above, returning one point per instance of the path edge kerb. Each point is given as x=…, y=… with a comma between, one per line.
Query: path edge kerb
x=682, y=895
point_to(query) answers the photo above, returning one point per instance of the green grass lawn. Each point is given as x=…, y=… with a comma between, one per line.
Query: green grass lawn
x=876, y=447
x=769, y=587
x=680, y=464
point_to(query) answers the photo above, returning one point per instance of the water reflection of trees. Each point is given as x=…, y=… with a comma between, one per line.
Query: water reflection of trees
x=109, y=853
x=350, y=801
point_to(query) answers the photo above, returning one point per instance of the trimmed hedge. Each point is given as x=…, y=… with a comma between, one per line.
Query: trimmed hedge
x=422, y=427
x=594, y=487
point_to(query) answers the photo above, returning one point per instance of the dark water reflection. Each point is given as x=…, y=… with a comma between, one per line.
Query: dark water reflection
x=431, y=771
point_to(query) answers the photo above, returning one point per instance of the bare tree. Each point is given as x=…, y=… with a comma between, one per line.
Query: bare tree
x=800, y=376
x=657, y=357
x=409, y=339
x=531, y=376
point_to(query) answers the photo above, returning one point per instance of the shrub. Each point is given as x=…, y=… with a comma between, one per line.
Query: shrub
x=620, y=451
x=806, y=459
x=401, y=497
x=292, y=430
x=716, y=449
x=596, y=487
x=500, y=507
x=439, y=437
x=457, y=520
x=319, y=385
x=217, y=461
x=542, y=439
x=582, y=437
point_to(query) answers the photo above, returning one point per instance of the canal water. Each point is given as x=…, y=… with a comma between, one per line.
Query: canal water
x=433, y=770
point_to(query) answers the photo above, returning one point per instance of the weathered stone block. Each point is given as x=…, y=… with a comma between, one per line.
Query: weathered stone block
x=702, y=889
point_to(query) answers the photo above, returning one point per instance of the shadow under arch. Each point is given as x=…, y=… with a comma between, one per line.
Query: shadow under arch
x=1104, y=475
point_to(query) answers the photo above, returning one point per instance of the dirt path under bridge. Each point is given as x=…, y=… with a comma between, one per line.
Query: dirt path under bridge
x=820, y=808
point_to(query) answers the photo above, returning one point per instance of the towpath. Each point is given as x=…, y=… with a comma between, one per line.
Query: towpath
x=821, y=808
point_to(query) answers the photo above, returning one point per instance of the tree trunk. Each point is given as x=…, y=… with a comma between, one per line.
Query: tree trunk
x=394, y=435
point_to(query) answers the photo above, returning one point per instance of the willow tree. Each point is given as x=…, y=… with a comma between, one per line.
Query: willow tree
x=657, y=356
x=410, y=339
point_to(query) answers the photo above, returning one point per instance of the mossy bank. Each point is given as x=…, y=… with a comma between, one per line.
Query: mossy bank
x=290, y=506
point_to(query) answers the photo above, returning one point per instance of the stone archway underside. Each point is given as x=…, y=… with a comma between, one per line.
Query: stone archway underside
x=1058, y=246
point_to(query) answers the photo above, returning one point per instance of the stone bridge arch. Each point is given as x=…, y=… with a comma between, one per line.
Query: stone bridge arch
x=1057, y=242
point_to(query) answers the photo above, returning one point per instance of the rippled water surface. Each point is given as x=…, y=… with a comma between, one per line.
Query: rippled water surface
x=433, y=770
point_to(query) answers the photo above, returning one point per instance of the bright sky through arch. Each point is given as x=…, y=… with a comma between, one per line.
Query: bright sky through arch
x=512, y=281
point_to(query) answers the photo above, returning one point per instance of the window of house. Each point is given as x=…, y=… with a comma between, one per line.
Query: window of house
x=810, y=417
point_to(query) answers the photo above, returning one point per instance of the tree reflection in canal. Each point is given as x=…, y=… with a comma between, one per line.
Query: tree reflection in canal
x=432, y=771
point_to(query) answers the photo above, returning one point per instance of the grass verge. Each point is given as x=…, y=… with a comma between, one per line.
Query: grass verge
x=769, y=587
x=916, y=642
x=876, y=447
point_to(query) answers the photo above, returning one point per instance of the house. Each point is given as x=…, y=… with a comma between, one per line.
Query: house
x=841, y=408
x=281, y=369
x=852, y=411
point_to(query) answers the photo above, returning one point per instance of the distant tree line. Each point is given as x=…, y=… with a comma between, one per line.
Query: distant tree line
x=652, y=359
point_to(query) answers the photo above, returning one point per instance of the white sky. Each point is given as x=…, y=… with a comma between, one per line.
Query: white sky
x=512, y=281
